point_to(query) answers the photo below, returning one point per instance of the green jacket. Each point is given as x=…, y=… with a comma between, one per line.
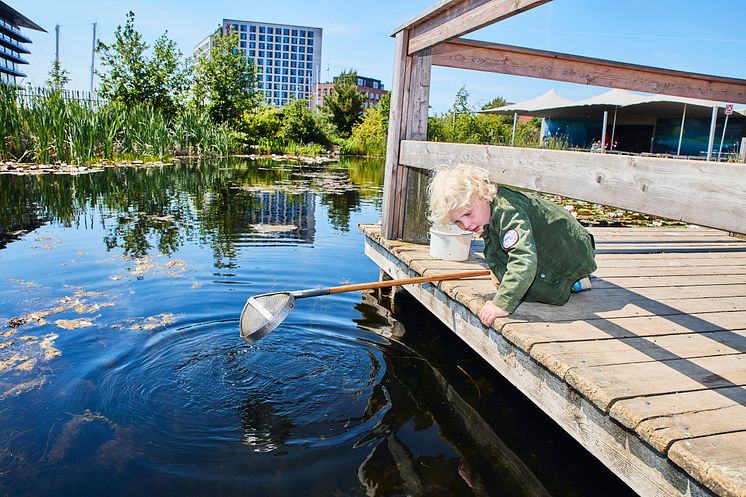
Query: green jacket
x=536, y=249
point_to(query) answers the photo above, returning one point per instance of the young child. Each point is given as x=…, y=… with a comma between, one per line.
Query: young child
x=536, y=249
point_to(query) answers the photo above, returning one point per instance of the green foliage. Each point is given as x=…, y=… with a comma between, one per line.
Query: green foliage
x=300, y=126
x=224, y=81
x=264, y=122
x=43, y=126
x=133, y=77
x=461, y=124
x=369, y=135
x=345, y=104
x=58, y=77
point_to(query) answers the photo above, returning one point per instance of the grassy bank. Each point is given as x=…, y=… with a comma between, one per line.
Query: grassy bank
x=43, y=126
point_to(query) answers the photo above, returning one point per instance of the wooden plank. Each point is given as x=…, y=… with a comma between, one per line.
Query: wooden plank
x=662, y=432
x=460, y=18
x=662, y=271
x=684, y=292
x=665, y=419
x=605, y=384
x=636, y=463
x=632, y=412
x=520, y=61
x=528, y=334
x=392, y=215
x=416, y=224
x=561, y=357
x=629, y=182
x=647, y=352
x=718, y=461
x=634, y=282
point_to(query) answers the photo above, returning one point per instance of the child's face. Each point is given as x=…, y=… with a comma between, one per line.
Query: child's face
x=473, y=217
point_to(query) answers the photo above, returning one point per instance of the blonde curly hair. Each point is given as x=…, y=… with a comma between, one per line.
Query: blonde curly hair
x=453, y=187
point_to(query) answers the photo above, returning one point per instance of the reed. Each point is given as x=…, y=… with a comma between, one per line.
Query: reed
x=46, y=126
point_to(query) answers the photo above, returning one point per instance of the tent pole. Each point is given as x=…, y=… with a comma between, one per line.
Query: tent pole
x=613, y=129
x=603, y=132
x=515, y=119
x=711, y=141
x=725, y=125
x=681, y=132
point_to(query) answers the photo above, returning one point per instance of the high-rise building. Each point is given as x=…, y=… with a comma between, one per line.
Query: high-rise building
x=287, y=57
x=371, y=88
x=11, y=42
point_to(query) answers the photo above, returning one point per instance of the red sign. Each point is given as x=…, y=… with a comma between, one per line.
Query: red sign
x=728, y=109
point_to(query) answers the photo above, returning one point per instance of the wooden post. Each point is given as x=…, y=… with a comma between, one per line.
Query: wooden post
x=404, y=197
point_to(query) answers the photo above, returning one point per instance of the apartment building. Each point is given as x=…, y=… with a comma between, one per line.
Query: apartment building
x=12, y=42
x=371, y=88
x=287, y=57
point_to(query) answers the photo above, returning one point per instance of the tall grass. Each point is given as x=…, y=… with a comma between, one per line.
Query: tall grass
x=44, y=126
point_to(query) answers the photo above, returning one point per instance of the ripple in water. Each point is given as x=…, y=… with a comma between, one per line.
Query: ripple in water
x=205, y=388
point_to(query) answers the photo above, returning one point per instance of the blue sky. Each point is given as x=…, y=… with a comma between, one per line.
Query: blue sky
x=673, y=34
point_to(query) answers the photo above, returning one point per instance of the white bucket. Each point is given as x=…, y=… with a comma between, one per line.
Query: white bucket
x=449, y=243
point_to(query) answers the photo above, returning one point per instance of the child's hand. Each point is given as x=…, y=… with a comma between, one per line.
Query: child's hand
x=490, y=312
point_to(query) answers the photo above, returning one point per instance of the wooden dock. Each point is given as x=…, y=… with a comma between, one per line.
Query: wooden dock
x=647, y=370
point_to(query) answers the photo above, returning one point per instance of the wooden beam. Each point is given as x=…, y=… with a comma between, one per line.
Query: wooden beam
x=452, y=19
x=507, y=59
x=703, y=193
x=392, y=213
x=407, y=121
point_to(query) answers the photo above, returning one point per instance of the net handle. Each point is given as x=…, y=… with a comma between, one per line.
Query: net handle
x=315, y=292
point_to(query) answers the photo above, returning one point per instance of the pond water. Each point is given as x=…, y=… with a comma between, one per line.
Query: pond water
x=122, y=371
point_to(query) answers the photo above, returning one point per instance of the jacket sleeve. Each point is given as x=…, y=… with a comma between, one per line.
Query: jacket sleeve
x=515, y=236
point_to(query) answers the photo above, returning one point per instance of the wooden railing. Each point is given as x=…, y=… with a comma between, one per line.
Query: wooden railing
x=711, y=194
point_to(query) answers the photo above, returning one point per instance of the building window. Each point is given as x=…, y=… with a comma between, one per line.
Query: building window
x=309, y=58
x=262, y=29
x=262, y=37
x=302, y=33
x=252, y=28
x=270, y=37
x=262, y=45
x=242, y=36
x=243, y=27
x=269, y=30
x=252, y=44
x=310, y=35
x=252, y=36
x=243, y=44
x=310, y=42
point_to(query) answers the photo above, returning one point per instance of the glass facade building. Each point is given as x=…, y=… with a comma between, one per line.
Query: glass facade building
x=12, y=49
x=287, y=57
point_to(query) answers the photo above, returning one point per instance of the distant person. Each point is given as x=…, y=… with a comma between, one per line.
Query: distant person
x=536, y=250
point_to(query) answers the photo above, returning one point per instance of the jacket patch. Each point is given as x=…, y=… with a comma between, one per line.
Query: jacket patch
x=510, y=238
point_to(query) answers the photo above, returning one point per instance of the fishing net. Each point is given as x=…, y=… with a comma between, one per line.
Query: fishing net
x=263, y=313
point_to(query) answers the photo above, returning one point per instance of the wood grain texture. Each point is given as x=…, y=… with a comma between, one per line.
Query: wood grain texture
x=647, y=370
x=520, y=61
x=704, y=193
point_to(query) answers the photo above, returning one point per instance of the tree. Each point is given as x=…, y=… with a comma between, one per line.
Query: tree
x=225, y=80
x=58, y=77
x=132, y=77
x=369, y=135
x=346, y=103
x=299, y=125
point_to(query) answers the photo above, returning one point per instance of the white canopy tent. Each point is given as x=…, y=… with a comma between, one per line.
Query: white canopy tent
x=543, y=105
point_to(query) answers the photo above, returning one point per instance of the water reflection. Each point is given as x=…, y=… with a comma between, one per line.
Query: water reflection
x=230, y=203
x=128, y=377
